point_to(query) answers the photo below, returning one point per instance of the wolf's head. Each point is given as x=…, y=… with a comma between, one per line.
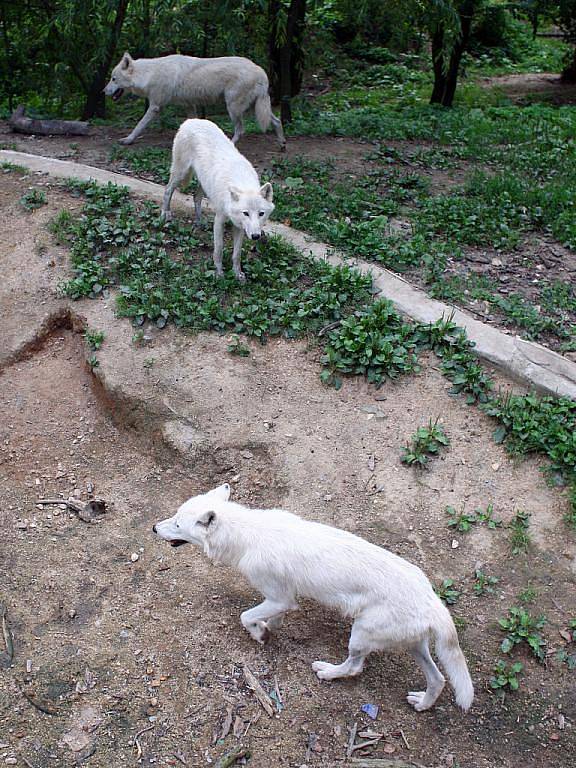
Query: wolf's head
x=121, y=78
x=250, y=210
x=195, y=520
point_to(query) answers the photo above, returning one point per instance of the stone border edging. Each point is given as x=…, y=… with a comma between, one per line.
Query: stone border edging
x=524, y=361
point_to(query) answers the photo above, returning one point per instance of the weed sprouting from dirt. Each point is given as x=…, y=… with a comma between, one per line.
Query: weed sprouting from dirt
x=520, y=539
x=94, y=338
x=424, y=444
x=460, y=521
x=506, y=677
x=483, y=583
x=447, y=592
x=33, y=199
x=521, y=627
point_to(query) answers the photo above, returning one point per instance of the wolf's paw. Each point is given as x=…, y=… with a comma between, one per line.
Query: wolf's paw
x=240, y=276
x=259, y=631
x=418, y=700
x=126, y=140
x=324, y=670
x=166, y=216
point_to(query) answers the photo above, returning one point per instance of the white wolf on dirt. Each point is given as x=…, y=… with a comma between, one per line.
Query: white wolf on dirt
x=227, y=179
x=283, y=556
x=191, y=82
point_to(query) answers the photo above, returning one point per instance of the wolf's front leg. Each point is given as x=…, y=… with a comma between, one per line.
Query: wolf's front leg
x=149, y=115
x=238, y=235
x=263, y=618
x=218, y=243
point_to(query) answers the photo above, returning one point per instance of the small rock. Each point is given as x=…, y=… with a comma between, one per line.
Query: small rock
x=134, y=556
x=496, y=467
x=455, y=544
x=247, y=455
x=496, y=262
x=11, y=761
x=561, y=722
x=328, y=497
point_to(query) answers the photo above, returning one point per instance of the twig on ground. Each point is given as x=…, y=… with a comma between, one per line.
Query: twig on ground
x=7, y=655
x=87, y=512
x=136, y=746
x=263, y=698
x=329, y=327
x=351, y=740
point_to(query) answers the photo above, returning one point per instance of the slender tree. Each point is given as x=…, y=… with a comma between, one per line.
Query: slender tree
x=287, y=22
x=450, y=25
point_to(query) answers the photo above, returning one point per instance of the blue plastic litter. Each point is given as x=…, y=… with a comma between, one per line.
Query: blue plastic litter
x=371, y=710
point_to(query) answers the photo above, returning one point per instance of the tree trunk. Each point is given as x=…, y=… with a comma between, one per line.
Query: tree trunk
x=438, y=66
x=286, y=52
x=446, y=73
x=569, y=72
x=95, y=105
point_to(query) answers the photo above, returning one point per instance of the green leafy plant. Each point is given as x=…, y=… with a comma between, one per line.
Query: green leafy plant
x=521, y=627
x=486, y=517
x=483, y=584
x=237, y=348
x=528, y=595
x=93, y=362
x=149, y=362
x=425, y=443
x=447, y=592
x=520, y=539
x=506, y=677
x=94, y=339
x=460, y=521
x=33, y=199
x=375, y=343
x=567, y=655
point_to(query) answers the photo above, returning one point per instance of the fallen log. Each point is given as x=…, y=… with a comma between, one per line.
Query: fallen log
x=22, y=124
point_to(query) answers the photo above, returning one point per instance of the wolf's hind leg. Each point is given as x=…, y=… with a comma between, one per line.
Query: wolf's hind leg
x=178, y=176
x=422, y=700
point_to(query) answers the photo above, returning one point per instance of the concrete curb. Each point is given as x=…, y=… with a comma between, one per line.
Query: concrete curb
x=524, y=361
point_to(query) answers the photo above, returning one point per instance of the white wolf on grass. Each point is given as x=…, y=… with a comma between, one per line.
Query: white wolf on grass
x=283, y=556
x=227, y=179
x=191, y=82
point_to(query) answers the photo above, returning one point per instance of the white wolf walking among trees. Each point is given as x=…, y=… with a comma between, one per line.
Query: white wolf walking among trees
x=190, y=81
x=391, y=602
x=227, y=179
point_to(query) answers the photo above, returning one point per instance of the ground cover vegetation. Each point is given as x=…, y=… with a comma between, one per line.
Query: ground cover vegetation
x=164, y=273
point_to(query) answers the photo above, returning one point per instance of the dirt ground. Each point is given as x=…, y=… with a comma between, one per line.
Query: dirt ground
x=127, y=652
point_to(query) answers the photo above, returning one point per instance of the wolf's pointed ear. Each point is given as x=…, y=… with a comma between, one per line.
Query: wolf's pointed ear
x=126, y=61
x=207, y=519
x=222, y=492
x=266, y=191
x=235, y=194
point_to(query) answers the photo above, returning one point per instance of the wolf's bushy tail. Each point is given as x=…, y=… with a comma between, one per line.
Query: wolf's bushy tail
x=452, y=659
x=263, y=109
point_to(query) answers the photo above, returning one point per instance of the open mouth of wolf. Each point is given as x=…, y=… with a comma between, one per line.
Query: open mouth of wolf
x=177, y=542
x=117, y=94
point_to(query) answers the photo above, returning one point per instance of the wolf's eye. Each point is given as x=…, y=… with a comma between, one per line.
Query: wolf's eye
x=245, y=213
x=177, y=525
x=114, y=77
x=261, y=213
